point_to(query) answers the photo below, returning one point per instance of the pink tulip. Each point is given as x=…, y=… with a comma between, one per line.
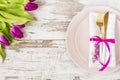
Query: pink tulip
x=4, y=41
x=31, y=0
x=31, y=6
x=16, y=32
x=19, y=26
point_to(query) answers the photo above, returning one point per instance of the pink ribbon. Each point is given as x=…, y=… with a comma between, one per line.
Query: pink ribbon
x=98, y=40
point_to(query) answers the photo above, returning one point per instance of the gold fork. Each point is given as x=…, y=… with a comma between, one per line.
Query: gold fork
x=100, y=23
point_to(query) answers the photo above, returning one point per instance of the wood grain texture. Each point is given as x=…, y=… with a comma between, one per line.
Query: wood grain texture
x=42, y=55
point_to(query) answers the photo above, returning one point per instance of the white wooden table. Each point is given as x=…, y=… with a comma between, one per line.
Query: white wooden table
x=42, y=55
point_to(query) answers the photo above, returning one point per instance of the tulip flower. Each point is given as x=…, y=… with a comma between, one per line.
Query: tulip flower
x=31, y=6
x=16, y=32
x=19, y=26
x=4, y=41
x=31, y=0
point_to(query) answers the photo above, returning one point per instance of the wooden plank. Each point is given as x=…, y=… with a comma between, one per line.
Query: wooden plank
x=40, y=43
x=44, y=63
x=52, y=19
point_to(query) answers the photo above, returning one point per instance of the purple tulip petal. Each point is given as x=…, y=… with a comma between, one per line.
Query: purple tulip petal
x=4, y=41
x=16, y=32
x=31, y=0
x=31, y=6
x=19, y=26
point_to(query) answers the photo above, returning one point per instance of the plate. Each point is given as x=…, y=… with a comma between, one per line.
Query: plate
x=78, y=39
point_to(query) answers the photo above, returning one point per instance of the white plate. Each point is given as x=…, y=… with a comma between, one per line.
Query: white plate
x=78, y=39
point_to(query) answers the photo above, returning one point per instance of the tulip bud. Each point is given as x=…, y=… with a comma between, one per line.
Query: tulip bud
x=19, y=26
x=31, y=6
x=4, y=41
x=31, y=0
x=16, y=32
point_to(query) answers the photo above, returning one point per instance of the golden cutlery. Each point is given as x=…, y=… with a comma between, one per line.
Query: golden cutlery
x=105, y=23
x=100, y=23
x=105, y=33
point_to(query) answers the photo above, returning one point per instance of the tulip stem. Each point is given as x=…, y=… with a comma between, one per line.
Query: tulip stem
x=2, y=54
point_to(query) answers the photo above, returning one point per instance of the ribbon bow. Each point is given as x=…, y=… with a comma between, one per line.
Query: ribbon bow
x=98, y=40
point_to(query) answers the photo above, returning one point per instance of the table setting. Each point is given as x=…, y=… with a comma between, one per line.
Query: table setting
x=92, y=39
x=59, y=40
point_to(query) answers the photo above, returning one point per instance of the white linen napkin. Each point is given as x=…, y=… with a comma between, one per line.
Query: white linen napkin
x=94, y=30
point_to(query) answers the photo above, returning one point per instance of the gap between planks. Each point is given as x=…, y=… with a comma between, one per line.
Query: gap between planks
x=40, y=43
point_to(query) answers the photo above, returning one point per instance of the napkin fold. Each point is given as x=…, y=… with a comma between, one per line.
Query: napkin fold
x=94, y=31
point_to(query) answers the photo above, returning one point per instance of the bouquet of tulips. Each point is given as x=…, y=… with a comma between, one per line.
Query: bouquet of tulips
x=13, y=17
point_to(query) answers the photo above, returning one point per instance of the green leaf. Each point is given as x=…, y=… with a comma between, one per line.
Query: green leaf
x=18, y=1
x=18, y=10
x=2, y=25
x=15, y=6
x=2, y=54
x=20, y=13
x=10, y=18
x=14, y=13
x=3, y=6
x=3, y=1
